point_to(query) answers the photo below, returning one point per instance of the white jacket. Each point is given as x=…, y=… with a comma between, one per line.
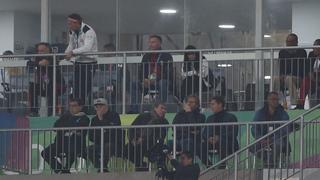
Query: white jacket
x=5, y=80
x=204, y=72
x=85, y=42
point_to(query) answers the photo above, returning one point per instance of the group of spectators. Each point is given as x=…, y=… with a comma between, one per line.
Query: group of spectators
x=134, y=143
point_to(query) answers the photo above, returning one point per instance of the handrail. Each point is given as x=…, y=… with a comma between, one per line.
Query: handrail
x=258, y=140
x=167, y=51
x=147, y=126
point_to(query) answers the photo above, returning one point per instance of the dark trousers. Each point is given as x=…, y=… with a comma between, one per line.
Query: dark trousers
x=83, y=74
x=35, y=92
x=135, y=154
x=94, y=154
x=61, y=157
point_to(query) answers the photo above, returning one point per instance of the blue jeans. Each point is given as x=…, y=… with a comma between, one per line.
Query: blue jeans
x=136, y=93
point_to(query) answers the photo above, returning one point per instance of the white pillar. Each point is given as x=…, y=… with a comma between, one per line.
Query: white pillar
x=259, y=68
x=45, y=15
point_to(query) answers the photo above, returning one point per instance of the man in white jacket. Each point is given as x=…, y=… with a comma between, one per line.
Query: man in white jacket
x=82, y=39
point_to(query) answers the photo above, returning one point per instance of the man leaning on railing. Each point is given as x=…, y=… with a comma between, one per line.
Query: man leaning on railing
x=270, y=148
x=69, y=144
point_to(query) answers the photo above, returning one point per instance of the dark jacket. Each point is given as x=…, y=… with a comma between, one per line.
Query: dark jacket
x=164, y=61
x=292, y=62
x=194, y=117
x=74, y=137
x=260, y=130
x=191, y=172
x=113, y=136
x=228, y=135
x=150, y=135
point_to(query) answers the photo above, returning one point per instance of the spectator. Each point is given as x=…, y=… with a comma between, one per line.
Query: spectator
x=185, y=169
x=43, y=84
x=221, y=140
x=113, y=138
x=189, y=138
x=83, y=39
x=68, y=144
x=190, y=74
x=5, y=84
x=310, y=84
x=142, y=139
x=271, y=147
x=156, y=74
x=291, y=68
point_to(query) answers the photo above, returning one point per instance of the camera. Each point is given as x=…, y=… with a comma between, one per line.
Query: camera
x=158, y=154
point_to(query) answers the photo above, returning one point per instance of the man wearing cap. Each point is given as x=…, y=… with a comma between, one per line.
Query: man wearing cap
x=112, y=138
x=82, y=39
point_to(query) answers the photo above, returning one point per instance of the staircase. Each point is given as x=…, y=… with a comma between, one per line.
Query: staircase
x=291, y=152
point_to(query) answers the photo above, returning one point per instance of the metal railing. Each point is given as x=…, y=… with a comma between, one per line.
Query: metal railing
x=119, y=77
x=282, y=153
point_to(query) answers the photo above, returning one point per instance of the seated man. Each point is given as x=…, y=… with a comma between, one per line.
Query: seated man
x=189, y=138
x=221, y=140
x=156, y=73
x=270, y=148
x=143, y=139
x=68, y=144
x=113, y=138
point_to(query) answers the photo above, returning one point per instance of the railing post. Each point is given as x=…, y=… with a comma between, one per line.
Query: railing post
x=30, y=152
x=101, y=149
x=271, y=69
x=124, y=77
x=174, y=141
x=247, y=143
x=54, y=85
x=301, y=146
x=200, y=78
x=236, y=166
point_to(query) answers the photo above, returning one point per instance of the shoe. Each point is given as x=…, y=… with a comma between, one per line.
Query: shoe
x=105, y=170
x=142, y=169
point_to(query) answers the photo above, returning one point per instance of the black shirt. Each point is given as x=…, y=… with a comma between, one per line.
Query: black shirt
x=190, y=172
x=292, y=62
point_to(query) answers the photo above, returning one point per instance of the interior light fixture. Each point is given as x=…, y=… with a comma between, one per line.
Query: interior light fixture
x=168, y=11
x=267, y=36
x=267, y=77
x=227, y=26
x=224, y=65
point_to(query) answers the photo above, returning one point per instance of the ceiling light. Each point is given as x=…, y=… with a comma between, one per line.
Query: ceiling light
x=267, y=77
x=168, y=11
x=224, y=65
x=267, y=36
x=227, y=26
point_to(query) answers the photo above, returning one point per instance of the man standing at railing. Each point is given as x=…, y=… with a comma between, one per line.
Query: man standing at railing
x=112, y=138
x=156, y=74
x=271, y=148
x=68, y=144
x=221, y=140
x=142, y=139
x=292, y=69
x=189, y=138
x=82, y=39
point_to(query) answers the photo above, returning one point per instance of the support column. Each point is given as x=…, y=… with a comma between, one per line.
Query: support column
x=259, y=66
x=45, y=15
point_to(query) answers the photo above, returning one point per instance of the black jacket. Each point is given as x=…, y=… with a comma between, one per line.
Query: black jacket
x=164, y=60
x=150, y=135
x=292, y=62
x=228, y=135
x=194, y=117
x=114, y=136
x=191, y=172
x=74, y=137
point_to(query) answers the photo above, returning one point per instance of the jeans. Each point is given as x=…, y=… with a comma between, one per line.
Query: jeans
x=136, y=93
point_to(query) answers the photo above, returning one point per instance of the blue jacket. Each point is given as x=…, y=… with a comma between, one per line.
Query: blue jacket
x=260, y=130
